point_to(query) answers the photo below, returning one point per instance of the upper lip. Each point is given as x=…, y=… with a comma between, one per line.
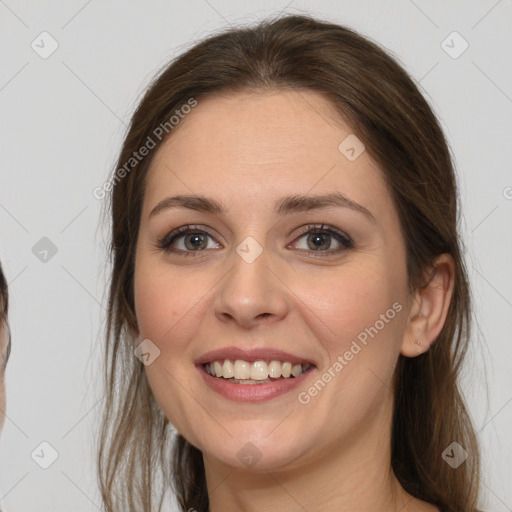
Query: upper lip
x=251, y=355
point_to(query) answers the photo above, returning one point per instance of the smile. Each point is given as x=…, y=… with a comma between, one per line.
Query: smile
x=257, y=372
x=254, y=381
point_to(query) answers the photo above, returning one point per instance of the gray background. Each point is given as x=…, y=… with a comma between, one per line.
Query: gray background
x=63, y=118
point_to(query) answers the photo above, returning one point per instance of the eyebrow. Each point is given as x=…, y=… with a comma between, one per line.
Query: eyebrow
x=286, y=205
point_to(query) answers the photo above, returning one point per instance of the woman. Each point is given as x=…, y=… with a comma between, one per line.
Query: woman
x=305, y=357
x=5, y=343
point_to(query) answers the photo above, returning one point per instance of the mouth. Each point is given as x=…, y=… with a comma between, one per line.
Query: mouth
x=255, y=373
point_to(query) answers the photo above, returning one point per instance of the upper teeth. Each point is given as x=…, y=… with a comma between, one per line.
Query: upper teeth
x=258, y=370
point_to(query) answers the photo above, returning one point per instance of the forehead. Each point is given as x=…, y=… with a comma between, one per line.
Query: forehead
x=263, y=144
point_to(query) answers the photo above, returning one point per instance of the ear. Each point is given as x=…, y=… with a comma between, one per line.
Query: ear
x=429, y=307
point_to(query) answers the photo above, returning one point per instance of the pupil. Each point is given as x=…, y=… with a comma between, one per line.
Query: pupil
x=319, y=240
x=196, y=241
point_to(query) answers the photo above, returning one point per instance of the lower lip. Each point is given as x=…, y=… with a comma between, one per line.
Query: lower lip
x=252, y=392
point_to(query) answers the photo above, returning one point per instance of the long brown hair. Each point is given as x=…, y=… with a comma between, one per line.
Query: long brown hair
x=139, y=454
x=4, y=307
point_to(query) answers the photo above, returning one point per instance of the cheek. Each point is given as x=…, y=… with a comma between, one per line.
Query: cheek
x=351, y=303
x=166, y=311
x=359, y=317
x=155, y=304
x=170, y=305
x=161, y=302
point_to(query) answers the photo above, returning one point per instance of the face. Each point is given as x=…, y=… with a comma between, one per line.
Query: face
x=267, y=279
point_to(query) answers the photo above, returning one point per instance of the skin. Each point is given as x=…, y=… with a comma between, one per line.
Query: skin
x=246, y=151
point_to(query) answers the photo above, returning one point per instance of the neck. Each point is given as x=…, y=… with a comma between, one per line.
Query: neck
x=355, y=475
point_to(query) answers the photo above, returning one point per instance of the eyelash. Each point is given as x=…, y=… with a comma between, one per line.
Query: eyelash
x=347, y=243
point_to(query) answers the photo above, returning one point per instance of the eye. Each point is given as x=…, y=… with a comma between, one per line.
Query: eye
x=319, y=239
x=187, y=240
x=192, y=240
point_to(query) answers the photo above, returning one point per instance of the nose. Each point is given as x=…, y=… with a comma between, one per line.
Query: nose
x=251, y=294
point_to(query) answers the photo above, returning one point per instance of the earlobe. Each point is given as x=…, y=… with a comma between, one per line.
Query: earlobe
x=429, y=309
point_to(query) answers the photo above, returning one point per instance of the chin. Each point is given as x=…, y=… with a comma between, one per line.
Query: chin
x=254, y=456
